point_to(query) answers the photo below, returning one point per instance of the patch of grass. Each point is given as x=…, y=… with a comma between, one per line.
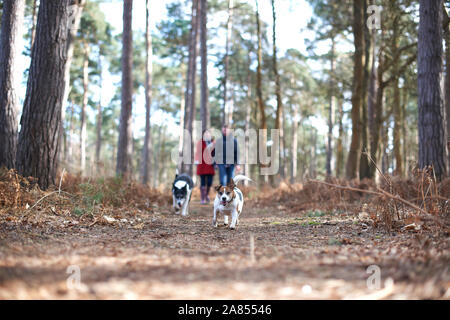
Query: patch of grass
x=316, y=213
x=334, y=242
x=310, y=223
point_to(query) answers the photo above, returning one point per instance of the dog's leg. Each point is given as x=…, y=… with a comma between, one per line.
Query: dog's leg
x=225, y=219
x=175, y=205
x=234, y=218
x=185, y=211
x=214, y=222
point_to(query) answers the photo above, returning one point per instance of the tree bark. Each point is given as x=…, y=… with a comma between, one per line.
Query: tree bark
x=146, y=162
x=431, y=128
x=204, y=107
x=72, y=32
x=352, y=169
x=447, y=91
x=263, y=123
x=340, y=142
x=279, y=112
x=227, y=104
x=39, y=139
x=33, y=23
x=189, y=112
x=98, y=142
x=124, y=147
x=83, y=134
x=10, y=40
x=332, y=98
x=294, y=147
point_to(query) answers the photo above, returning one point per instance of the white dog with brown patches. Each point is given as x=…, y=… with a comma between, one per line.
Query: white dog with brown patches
x=229, y=201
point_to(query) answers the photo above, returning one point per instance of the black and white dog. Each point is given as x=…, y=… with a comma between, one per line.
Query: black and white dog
x=181, y=192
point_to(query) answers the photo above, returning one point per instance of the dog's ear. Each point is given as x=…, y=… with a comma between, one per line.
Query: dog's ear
x=218, y=187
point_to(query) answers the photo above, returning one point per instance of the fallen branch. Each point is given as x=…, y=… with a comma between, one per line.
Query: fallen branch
x=380, y=192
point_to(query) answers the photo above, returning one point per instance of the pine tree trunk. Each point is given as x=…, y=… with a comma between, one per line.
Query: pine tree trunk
x=431, y=128
x=332, y=98
x=10, y=41
x=39, y=139
x=98, y=141
x=146, y=162
x=33, y=23
x=263, y=124
x=227, y=105
x=364, y=166
x=279, y=111
x=189, y=112
x=72, y=32
x=371, y=106
x=352, y=169
x=340, y=142
x=447, y=91
x=83, y=134
x=294, y=146
x=124, y=147
x=204, y=66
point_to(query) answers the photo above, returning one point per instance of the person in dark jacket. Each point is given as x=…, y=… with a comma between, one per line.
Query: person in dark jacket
x=205, y=166
x=226, y=155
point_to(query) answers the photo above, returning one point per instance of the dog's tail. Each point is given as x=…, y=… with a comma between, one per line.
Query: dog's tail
x=240, y=177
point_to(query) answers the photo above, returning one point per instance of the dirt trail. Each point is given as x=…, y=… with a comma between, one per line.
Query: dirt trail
x=163, y=256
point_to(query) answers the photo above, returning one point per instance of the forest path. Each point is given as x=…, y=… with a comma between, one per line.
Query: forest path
x=164, y=256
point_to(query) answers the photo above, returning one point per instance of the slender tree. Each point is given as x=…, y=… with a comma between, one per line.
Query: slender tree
x=331, y=109
x=431, y=128
x=11, y=33
x=83, y=133
x=352, y=169
x=189, y=112
x=227, y=103
x=204, y=108
x=38, y=145
x=261, y=108
x=124, y=147
x=279, y=112
x=146, y=161
x=76, y=9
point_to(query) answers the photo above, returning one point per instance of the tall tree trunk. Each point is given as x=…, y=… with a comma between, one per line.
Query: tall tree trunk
x=248, y=109
x=431, y=128
x=279, y=113
x=364, y=166
x=189, y=112
x=352, y=169
x=83, y=134
x=98, y=141
x=10, y=41
x=294, y=146
x=39, y=139
x=331, y=109
x=397, y=143
x=33, y=24
x=146, y=162
x=204, y=66
x=447, y=91
x=227, y=104
x=182, y=121
x=371, y=106
x=124, y=147
x=340, y=142
x=263, y=124
x=76, y=12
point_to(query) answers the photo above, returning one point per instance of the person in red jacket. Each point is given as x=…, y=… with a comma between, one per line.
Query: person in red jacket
x=205, y=165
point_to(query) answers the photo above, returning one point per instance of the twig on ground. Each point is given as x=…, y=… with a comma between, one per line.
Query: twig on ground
x=380, y=192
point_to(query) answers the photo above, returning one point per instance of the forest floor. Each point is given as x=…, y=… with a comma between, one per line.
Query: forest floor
x=136, y=254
